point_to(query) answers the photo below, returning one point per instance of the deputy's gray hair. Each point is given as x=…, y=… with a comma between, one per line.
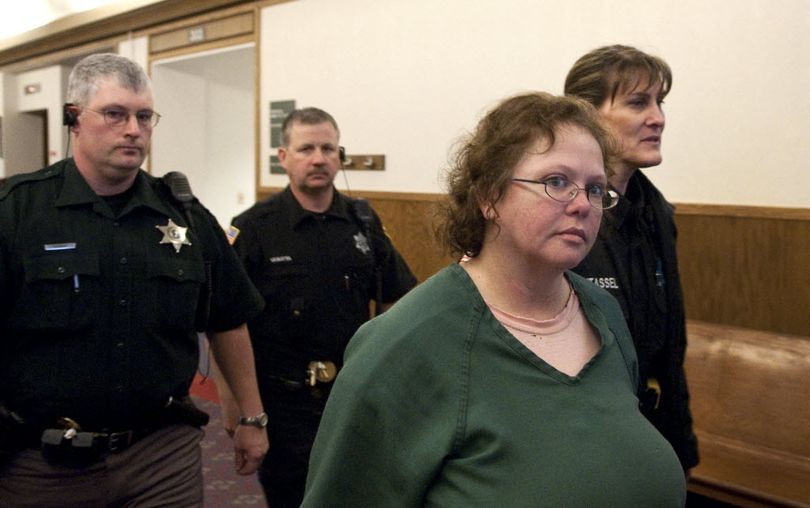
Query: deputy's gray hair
x=84, y=78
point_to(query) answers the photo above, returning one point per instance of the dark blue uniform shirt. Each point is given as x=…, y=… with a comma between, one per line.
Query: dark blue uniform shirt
x=316, y=273
x=98, y=318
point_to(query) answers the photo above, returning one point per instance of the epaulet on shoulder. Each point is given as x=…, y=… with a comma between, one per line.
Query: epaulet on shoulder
x=269, y=205
x=12, y=182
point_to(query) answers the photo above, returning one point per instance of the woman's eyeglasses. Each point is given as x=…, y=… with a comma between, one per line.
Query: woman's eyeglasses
x=563, y=190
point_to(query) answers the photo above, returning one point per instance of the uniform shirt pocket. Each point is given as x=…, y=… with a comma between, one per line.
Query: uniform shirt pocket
x=61, y=291
x=290, y=292
x=175, y=286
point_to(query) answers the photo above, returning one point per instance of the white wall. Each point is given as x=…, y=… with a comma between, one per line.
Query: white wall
x=32, y=118
x=53, y=81
x=408, y=77
x=207, y=103
x=136, y=49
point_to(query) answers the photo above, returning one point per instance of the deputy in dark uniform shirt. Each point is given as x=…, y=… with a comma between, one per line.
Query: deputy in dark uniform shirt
x=105, y=280
x=318, y=258
x=634, y=256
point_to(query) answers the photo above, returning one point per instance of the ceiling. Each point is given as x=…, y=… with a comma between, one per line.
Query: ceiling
x=31, y=14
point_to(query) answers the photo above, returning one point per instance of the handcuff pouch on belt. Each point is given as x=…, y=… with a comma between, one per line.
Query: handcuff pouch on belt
x=69, y=444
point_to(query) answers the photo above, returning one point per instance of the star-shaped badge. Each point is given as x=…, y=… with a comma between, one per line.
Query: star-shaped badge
x=174, y=234
x=361, y=243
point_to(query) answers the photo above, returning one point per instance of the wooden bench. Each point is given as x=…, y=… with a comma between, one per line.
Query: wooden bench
x=750, y=399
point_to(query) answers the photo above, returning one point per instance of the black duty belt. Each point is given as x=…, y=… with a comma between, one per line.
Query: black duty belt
x=99, y=442
x=317, y=371
x=115, y=442
x=65, y=438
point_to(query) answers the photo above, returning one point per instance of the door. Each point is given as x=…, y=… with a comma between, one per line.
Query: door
x=206, y=130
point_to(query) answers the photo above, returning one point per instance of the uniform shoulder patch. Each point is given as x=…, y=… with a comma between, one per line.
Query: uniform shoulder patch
x=232, y=233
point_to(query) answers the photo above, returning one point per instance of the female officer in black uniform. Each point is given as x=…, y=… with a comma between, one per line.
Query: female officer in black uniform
x=634, y=256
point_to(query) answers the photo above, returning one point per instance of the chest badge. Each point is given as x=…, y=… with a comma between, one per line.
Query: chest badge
x=174, y=234
x=361, y=243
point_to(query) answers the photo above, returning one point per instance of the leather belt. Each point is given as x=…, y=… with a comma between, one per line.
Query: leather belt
x=116, y=442
x=66, y=436
x=317, y=371
x=101, y=442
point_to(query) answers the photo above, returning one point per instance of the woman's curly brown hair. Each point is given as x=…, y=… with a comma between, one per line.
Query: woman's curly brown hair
x=482, y=167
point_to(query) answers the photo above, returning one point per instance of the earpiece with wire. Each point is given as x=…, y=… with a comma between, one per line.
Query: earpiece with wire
x=70, y=114
x=342, y=156
x=70, y=118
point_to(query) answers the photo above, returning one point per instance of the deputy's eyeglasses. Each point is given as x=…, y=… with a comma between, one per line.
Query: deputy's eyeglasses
x=562, y=190
x=146, y=118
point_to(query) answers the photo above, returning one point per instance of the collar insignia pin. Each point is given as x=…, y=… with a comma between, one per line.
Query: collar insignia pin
x=174, y=234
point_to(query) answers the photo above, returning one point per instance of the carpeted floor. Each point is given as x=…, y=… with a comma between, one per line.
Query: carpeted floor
x=223, y=487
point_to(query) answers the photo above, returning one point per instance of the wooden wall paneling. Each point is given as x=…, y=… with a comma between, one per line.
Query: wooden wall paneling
x=232, y=26
x=67, y=56
x=104, y=22
x=101, y=29
x=740, y=266
x=409, y=224
x=193, y=49
x=257, y=107
x=744, y=270
x=408, y=221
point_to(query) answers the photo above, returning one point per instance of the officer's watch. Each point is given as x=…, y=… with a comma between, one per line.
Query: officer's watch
x=258, y=421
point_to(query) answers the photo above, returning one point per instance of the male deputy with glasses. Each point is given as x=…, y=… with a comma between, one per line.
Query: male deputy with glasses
x=318, y=257
x=106, y=276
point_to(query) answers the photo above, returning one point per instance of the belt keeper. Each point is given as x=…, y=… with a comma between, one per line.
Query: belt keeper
x=119, y=441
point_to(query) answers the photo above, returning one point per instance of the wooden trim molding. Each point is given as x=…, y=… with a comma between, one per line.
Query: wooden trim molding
x=102, y=23
x=743, y=211
x=257, y=99
x=265, y=192
x=709, y=210
x=216, y=30
x=744, y=266
x=67, y=56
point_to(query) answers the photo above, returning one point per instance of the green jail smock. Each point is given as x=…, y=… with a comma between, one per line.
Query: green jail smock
x=439, y=405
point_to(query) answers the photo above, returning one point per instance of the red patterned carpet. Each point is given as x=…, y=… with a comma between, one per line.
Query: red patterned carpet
x=223, y=487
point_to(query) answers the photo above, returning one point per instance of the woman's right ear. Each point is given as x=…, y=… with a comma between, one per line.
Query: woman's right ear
x=488, y=212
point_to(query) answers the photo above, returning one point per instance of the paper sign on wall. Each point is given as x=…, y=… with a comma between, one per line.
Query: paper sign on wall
x=275, y=167
x=278, y=112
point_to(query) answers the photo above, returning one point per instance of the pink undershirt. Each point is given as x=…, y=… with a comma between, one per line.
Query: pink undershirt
x=566, y=342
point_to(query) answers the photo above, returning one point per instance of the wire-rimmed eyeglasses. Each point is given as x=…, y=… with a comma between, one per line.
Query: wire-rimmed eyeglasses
x=562, y=190
x=147, y=118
